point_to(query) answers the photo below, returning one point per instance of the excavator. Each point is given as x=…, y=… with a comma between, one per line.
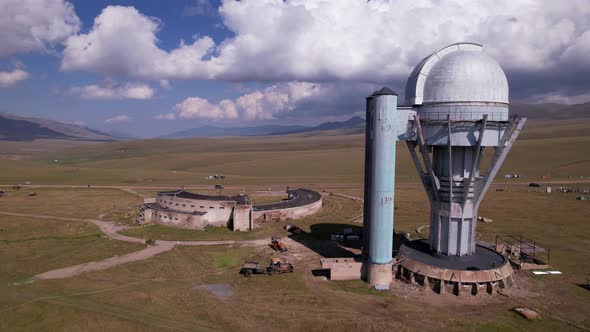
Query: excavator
x=277, y=244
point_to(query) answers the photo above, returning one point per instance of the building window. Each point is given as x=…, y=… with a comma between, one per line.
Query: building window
x=222, y=207
x=176, y=204
x=183, y=204
x=202, y=207
x=192, y=205
x=212, y=207
x=175, y=218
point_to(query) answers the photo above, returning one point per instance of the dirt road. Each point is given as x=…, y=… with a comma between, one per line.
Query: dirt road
x=75, y=270
x=110, y=230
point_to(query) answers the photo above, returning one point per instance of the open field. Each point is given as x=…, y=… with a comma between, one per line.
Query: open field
x=30, y=246
x=173, y=290
x=164, y=292
x=557, y=149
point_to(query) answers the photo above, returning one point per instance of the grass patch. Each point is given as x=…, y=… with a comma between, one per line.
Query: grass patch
x=222, y=260
x=359, y=287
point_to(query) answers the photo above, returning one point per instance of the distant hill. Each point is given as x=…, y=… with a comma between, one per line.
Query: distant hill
x=356, y=125
x=353, y=125
x=551, y=111
x=211, y=131
x=18, y=128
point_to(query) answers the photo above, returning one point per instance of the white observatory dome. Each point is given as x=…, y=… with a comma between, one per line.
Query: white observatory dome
x=459, y=81
x=466, y=76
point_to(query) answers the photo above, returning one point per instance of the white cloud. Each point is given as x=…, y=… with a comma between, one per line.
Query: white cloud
x=320, y=40
x=257, y=105
x=560, y=97
x=8, y=78
x=166, y=116
x=32, y=25
x=123, y=42
x=117, y=119
x=579, y=51
x=195, y=107
x=200, y=7
x=165, y=84
x=110, y=89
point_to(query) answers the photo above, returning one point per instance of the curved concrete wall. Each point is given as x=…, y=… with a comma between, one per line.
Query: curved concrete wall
x=186, y=212
x=218, y=213
x=176, y=219
x=288, y=213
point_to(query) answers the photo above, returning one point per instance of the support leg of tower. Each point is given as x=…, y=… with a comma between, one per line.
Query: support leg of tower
x=380, y=276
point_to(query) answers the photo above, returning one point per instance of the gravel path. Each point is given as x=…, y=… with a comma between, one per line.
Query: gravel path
x=104, y=264
x=110, y=230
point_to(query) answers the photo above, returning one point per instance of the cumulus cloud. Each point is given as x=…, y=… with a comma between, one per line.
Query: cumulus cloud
x=264, y=104
x=110, y=89
x=165, y=84
x=166, y=116
x=198, y=8
x=560, y=97
x=371, y=41
x=32, y=25
x=117, y=119
x=123, y=42
x=9, y=78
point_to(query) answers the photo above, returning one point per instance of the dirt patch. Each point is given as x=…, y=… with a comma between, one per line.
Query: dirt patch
x=220, y=291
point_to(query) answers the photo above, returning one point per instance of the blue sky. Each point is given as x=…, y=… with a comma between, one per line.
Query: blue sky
x=44, y=94
x=147, y=68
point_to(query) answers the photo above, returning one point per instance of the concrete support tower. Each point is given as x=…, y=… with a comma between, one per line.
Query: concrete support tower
x=379, y=186
x=461, y=99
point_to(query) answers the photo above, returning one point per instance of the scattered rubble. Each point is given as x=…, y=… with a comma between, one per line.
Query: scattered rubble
x=484, y=219
x=527, y=313
x=292, y=228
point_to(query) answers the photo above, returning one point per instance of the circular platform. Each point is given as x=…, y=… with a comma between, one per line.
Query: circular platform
x=485, y=270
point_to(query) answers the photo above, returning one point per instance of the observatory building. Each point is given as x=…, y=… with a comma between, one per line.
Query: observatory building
x=188, y=210
x=456, y=110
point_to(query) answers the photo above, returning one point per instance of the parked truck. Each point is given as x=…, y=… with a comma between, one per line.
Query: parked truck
x=276, y=266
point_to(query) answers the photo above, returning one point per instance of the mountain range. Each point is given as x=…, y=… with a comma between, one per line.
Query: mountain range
x=18, y=128
x=211, y=131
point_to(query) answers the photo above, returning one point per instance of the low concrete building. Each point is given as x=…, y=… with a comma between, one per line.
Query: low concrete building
x=188, y=210
x=345, y=268
x=195, y=211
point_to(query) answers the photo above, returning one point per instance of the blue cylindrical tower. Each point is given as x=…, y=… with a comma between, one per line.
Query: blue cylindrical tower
x=381, y=123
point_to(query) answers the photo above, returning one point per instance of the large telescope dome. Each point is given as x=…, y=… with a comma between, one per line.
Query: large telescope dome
x=459, y=80
x=466, y=76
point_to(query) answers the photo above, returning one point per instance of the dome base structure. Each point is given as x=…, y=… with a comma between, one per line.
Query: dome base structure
x=483, y=272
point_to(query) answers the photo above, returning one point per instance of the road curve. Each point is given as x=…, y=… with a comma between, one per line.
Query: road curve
x=110, y=230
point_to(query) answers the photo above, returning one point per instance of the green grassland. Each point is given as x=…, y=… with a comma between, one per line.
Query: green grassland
x=558, y=149
x=30, y=246
x=165, y=292
x=87, y=203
